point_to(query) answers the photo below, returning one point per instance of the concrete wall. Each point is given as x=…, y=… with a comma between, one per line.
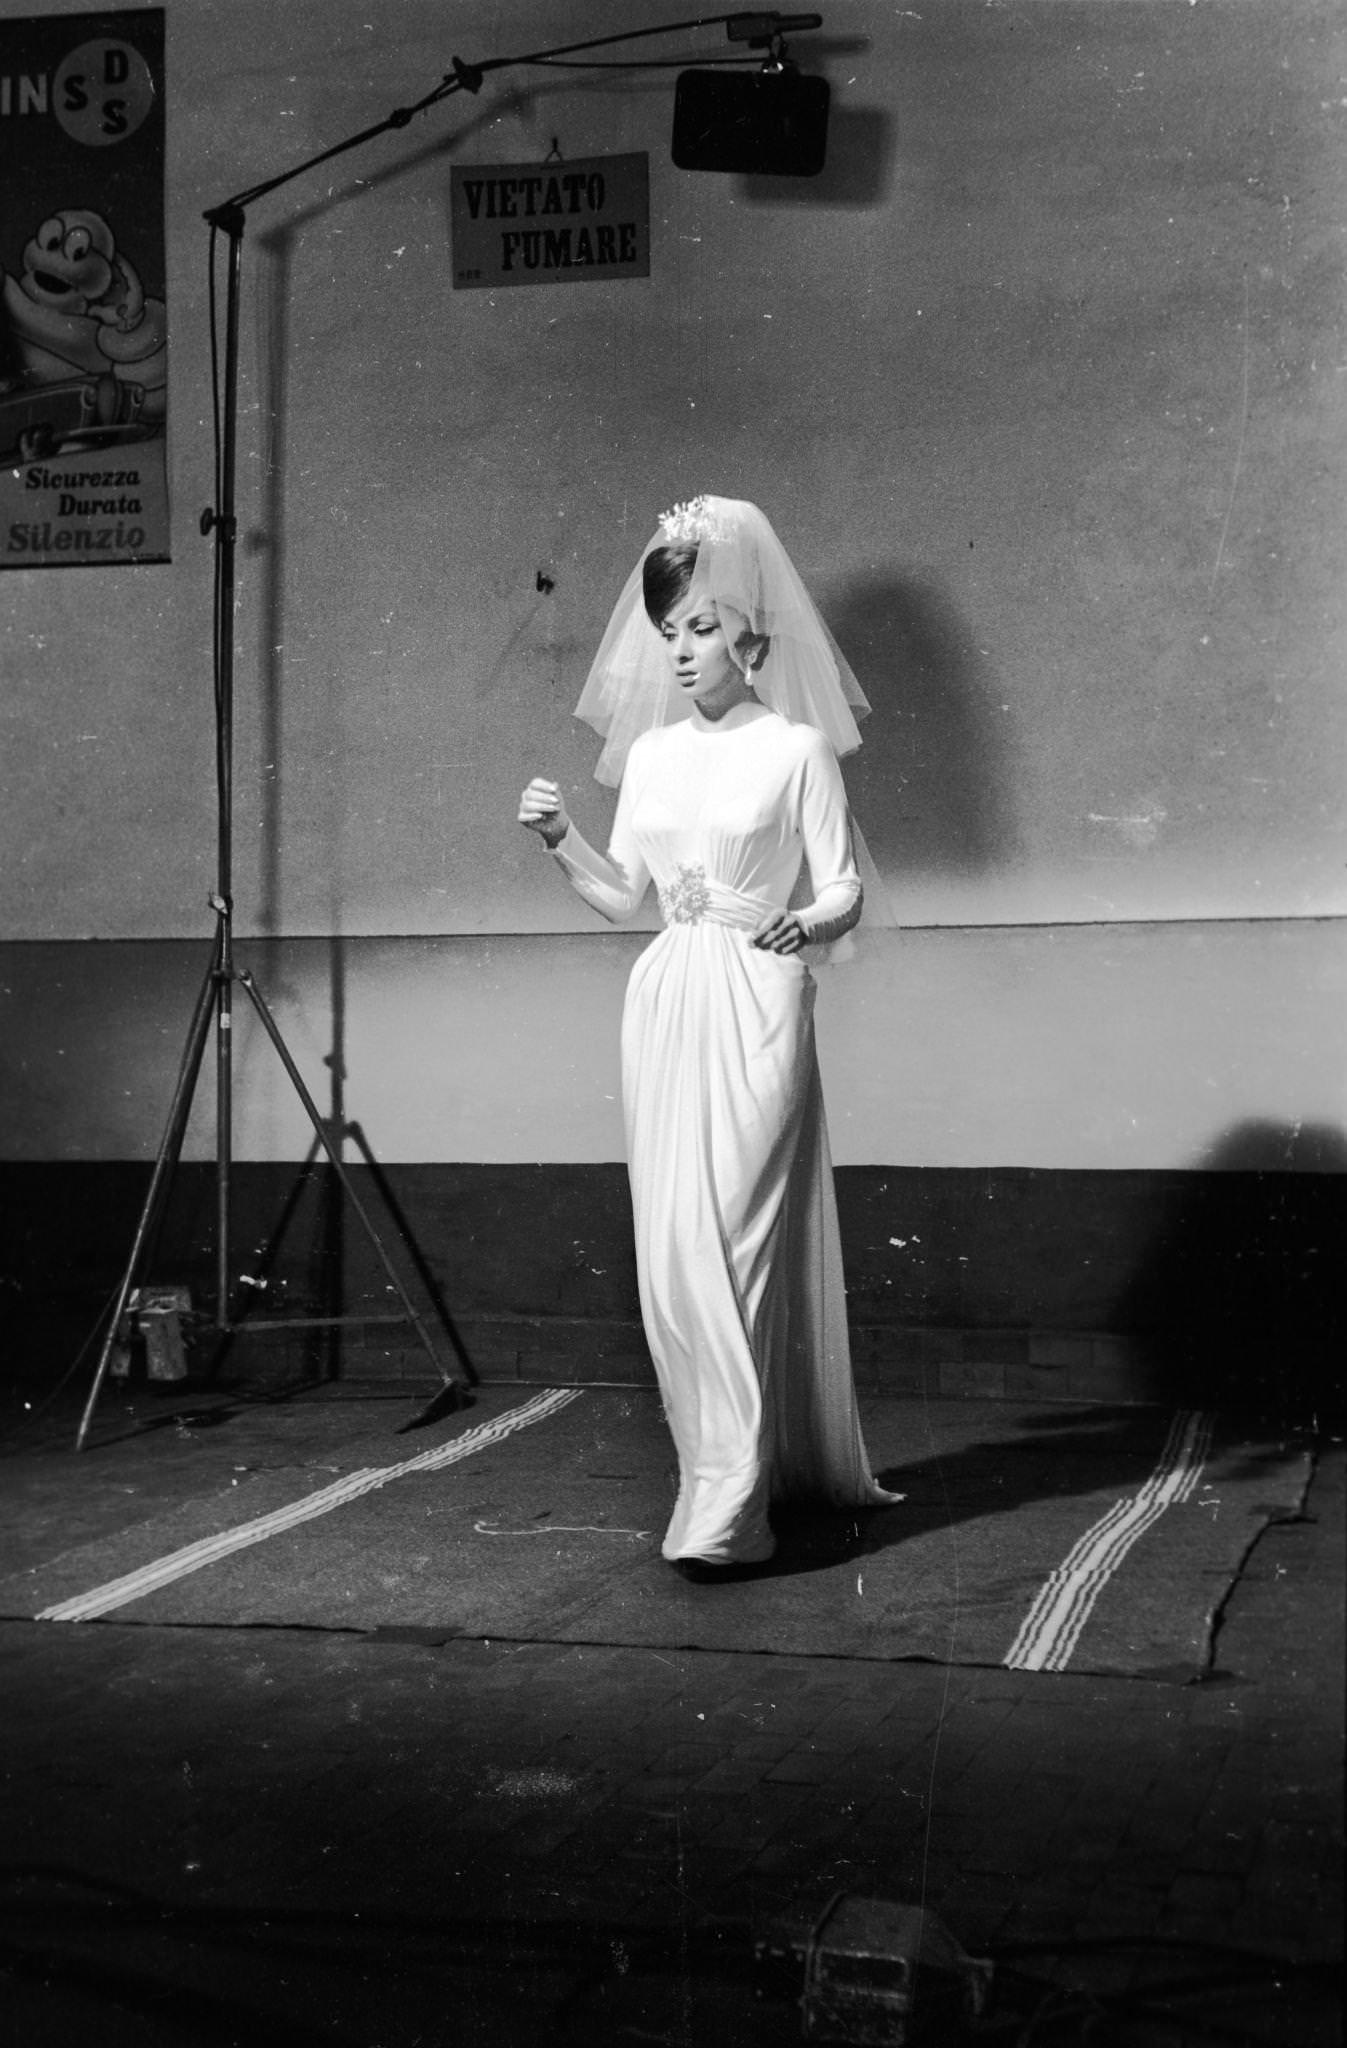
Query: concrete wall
x=1040, y=383
x=1146, y=1048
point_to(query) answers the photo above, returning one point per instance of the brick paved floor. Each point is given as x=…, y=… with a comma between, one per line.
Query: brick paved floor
x=247, y=1837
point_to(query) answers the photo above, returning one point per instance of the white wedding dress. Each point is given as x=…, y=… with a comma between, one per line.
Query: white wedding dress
x=737, y=1243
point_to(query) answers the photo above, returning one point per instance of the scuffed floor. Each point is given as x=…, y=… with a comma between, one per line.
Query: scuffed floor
x=389, y=1837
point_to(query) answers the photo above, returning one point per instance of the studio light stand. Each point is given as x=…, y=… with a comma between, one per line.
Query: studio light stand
x=215, y=998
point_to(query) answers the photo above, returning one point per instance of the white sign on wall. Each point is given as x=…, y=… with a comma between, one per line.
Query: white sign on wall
x=550, y=223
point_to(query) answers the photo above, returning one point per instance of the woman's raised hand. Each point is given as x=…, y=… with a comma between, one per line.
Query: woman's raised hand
x=541, y=809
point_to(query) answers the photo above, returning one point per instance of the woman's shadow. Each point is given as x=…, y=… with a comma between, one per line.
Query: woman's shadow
x=931, y=784
x=1025, y=1458
x=1238, y=1305
x=1239, y=1301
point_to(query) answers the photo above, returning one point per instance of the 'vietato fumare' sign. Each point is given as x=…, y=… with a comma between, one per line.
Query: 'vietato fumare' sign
x=550, y=223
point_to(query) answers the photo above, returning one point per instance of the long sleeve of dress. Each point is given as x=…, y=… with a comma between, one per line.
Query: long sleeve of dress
x=825, y=825
x=613, y=883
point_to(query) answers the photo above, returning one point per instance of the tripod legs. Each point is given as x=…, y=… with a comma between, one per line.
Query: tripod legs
x=325, y=1139
x=166, y=1160
x=214, y=992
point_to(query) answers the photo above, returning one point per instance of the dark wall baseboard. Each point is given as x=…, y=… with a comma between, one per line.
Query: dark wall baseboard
x=1016, y=1281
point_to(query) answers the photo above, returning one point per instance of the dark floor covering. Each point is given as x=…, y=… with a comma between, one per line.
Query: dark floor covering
x=551, y=1533
x=259, y=1834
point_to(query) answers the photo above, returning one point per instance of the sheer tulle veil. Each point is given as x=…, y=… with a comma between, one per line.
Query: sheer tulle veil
x=759, y=596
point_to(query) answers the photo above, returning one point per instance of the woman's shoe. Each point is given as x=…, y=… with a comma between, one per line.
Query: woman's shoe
x=704, y=1571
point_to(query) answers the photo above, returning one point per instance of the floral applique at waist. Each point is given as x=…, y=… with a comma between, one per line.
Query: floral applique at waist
x=686, y=899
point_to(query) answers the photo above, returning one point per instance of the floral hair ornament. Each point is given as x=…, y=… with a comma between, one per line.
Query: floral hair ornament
x=696, y=520
x=758, y=594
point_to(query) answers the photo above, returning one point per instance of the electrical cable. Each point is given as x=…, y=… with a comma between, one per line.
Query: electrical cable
x=34, y=1414
x=645, y=64
x=943, y=1713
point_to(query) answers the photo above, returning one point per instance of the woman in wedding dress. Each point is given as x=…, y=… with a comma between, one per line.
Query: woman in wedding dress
x=724, y=701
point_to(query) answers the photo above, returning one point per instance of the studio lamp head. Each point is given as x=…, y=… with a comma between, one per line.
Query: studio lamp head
x=771, y=122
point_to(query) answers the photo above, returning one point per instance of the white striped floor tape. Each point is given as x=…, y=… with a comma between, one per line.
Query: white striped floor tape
x=1052, y=1627
x=179, y=1563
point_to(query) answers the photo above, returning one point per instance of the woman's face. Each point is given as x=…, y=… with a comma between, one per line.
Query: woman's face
x=700, y=656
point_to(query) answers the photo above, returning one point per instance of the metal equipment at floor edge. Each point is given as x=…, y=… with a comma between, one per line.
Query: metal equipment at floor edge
x=866, y=1965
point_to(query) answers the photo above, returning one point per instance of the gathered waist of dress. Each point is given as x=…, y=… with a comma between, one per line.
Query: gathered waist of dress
x=690, y=896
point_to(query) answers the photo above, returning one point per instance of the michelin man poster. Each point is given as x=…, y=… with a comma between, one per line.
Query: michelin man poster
x=83, y=299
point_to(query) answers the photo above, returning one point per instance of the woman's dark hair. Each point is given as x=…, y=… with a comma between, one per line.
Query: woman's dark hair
x=666, y=575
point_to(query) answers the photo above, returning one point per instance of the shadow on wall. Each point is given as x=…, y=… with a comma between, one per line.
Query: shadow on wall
x=315, y=1239
x=1241, y=1300
x=931, y=784
x=264, y=543
x=857, y=173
